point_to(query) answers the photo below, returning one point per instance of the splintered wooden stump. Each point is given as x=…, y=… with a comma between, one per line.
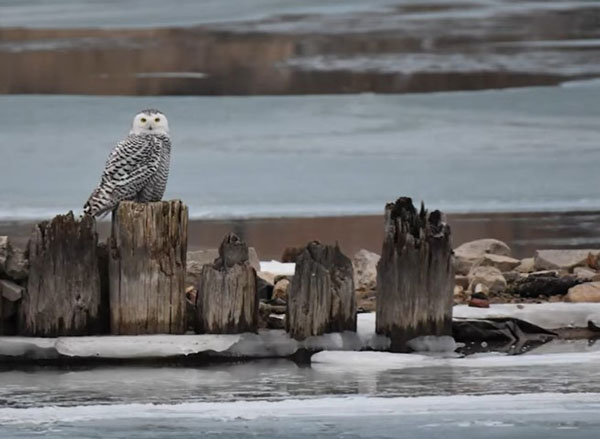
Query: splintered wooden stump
x=415, y=275
x=63, y=295
x=147, y=256
x=227, y=301
x=321, y=298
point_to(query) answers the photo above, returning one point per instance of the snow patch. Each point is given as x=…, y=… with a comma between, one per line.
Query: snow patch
x=278, y=268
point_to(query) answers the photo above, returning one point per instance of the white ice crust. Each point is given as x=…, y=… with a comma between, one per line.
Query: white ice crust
x=276, y=343
x=545, y=315
x=278, y=268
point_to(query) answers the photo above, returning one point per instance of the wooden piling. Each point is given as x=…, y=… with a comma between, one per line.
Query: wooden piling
x=63, y=294
x=321, y=297
x=146, y=263
x=415, y=275
x=227, y=301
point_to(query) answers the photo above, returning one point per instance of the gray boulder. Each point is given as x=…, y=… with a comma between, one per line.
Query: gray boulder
x=365, y=270
x=562, y=259
x=466, y=255
x=490, y=278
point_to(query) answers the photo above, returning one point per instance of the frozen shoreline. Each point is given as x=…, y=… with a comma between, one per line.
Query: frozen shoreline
x=272, y=343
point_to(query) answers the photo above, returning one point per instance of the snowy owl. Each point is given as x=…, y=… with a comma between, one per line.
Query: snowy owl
x=138, y=167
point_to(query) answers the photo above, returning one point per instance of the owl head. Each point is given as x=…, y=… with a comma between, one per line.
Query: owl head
x=150, y=122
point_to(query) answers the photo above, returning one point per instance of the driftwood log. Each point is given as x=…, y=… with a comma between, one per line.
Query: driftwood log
x=146, y=263
x=227, y=301
x=321, y=297
x=415, y=275
x=63, y=294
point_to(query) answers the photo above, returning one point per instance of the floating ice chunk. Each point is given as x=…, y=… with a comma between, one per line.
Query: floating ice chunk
x=278, y=268
x=370, y=360
x=28, y=347
x=432, y=343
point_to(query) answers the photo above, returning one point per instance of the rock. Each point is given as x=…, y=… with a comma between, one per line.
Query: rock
x=479, y=300
x=13, y=263
x=460, y=295
x=17, y=265
x=276, y=321
x=264, y=289
x=588, y=292
x=253, y=259
x=466, y=255
x=280, y=290
x=561, y=259
x=502, y=263
x=462, y=281
x=10, y=290
x=543, y=283
x=266, y=276
x=527, y=265
x=365, y=270
x=281, y=277
x=513, y=276
x=594, y=259
x=489, y=277
x=584, y=274
x=365, y=304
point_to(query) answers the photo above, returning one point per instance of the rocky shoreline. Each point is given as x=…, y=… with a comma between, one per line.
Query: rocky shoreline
x=485, y=274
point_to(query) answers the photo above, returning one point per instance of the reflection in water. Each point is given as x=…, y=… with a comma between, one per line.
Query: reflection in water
x=404, y=48
x=278, y=380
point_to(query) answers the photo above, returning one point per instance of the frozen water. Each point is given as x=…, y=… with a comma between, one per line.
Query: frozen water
x=529, y=149
x=529, y=415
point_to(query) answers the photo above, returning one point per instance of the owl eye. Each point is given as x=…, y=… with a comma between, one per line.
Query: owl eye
x=143, y=120
x=157, y=119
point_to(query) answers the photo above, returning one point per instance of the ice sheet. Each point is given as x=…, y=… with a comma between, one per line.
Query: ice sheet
x=546, y=315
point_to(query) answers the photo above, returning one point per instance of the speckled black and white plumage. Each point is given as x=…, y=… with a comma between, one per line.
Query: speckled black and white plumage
x=137, y=169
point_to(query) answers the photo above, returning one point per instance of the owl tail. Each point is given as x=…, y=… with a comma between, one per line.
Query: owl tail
x=99, y=204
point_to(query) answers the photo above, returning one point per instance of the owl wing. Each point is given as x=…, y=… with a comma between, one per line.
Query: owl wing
x=129, y=166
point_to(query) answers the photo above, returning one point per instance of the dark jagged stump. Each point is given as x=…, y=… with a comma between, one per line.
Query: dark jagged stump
x=227, y=301
x=415, y=275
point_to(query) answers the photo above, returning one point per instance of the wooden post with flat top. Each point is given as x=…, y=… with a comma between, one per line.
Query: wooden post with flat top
x=415, y=275
x=146, y=262
x=321, y=297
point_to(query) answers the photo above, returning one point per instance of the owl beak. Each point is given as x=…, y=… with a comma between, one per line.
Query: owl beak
x=150, y=127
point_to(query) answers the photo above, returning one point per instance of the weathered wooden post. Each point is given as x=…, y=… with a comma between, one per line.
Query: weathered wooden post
x=227, y=301
x=147, y=255
x=63, y=294
x=415, y=275
x=321, y=297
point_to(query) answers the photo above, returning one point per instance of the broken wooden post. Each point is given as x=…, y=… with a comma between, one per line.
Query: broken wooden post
x=147, y=256
x=63, y=295
x=227, y=301
x=415, y=275
x=321, y=297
